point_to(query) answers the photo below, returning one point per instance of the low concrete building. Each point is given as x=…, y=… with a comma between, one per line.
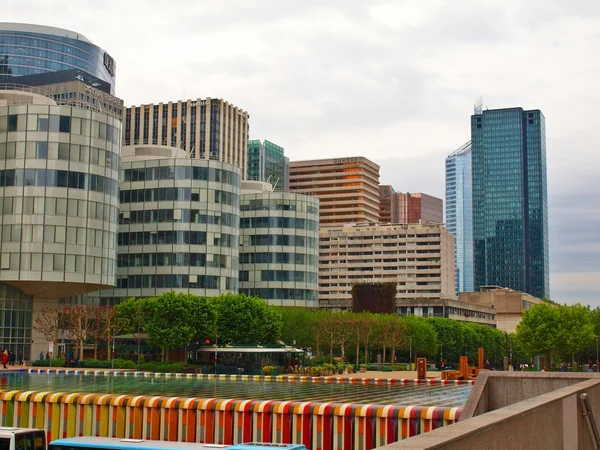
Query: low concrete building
x=450, y=309
x=508, y=304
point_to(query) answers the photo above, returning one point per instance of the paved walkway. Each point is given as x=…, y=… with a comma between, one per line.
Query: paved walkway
x=406, y=374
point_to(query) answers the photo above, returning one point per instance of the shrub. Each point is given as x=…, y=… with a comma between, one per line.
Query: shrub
x=162, y=367
x=58, y=362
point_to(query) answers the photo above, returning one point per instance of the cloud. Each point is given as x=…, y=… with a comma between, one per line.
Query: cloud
x=393, y=80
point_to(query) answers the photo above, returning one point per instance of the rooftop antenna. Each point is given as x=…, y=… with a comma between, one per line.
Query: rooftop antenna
x=479, y=107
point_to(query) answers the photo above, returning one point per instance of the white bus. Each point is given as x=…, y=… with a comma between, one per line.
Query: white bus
x=22, y=439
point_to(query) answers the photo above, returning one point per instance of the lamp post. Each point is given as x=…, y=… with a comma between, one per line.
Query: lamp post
x=597, y=338
x=410, y=352
x=216, y=350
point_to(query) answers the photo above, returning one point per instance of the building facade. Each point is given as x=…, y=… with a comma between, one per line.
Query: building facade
x=387, y=205
x=508, y=304
x=459, y=214
x=59, y=191
x=419, y=257
x=417, y=207
x=510, y=200
x=279, y=245
x=76, y=88
x=266, y=162
x=178, y=225
x=347, y=188
x=27, y=49
x=452, y=309
x=209, y=129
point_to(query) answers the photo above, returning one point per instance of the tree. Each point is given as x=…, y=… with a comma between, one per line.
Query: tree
x=246, y=320
x=134, y=313
x=449, y=336
x=49, y=323
x=79, y=322
x=173, y=320
x=110, y=325
x=575, y=329
x=538, y=330
x=422, y=336
x=297, y=325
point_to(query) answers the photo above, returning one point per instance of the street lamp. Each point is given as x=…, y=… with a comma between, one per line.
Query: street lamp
x=597, y=338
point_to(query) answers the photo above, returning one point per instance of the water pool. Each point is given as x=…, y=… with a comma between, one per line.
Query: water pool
x=397, y=394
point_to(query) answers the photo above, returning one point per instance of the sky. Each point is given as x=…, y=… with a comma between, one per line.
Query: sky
x=394, y=81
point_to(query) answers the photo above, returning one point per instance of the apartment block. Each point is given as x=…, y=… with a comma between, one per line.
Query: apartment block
x=417, y=207
x=419, y=257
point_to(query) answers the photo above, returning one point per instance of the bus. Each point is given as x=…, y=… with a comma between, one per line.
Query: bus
x=12, y=438
x=102, y=443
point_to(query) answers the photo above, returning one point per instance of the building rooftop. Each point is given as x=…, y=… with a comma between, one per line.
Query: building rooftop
x=462, y=150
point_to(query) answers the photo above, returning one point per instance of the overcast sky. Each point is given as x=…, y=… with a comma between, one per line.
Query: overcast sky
x=394, y=81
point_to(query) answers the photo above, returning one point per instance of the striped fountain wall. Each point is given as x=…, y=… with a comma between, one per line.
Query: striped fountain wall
x=318, y=425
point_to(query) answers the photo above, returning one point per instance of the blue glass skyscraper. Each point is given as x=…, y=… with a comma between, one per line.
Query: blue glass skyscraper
x=510, y=200
x=459, y=215
x=33, y=49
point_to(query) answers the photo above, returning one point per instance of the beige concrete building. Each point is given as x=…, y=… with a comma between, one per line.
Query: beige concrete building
x=210, y=129
x=508, y=304
x=450, y=309
x=347, y=188
x=420, y=258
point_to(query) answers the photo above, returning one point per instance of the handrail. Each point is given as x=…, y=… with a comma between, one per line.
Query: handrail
x=588, y=414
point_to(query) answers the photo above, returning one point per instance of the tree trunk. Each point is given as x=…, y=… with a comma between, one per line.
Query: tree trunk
x=393, y=355
x=547, y=360
x=139, y=342
x=357, y=353
x=367, y=353
x=383, y=354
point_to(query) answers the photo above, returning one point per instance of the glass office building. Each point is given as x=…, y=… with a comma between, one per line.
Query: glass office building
x=459, y=214
x=510, y=200
x=267, y=163
x=58, y=209
x=27, y=49
x=279, y=251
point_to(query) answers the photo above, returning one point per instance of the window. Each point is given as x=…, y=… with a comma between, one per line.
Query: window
x=12, y=122
x=65, y=124
x=41, y=150
x=42, y=124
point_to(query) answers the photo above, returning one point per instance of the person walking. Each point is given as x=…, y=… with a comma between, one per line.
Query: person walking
x=4, y=359
x=21, y=358
x=487, y=365
x=11, y=358
x=563, y=368
x=41, y=355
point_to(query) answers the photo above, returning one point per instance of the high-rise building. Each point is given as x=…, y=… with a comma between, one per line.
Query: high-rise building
x=387, y=205
x=210, y=129
x=510, y=200
x=266, y=163
x=418, y=257
x=459, y=214
x=279, y=245
x=417, y=207
x=60, y=200
x=347, y=188
x=27, y=49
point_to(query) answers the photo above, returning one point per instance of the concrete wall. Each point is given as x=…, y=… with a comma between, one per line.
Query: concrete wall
x=552, y=420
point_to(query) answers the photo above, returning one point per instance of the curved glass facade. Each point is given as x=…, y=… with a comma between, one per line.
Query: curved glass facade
x=279, y=248
x=178, y=228
x=59, y=199
x=30, y=49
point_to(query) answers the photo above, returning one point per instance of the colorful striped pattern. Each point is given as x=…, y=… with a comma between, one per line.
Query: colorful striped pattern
x=319, y=426
x=280, y=378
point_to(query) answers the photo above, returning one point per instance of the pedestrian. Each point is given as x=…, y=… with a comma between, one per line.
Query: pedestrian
x=47, y=355
x=21, y=358
x=487, y=365
x=563, y=368
x=4, y=359
x=41, y=355
x=590, y=366
x=11, y=358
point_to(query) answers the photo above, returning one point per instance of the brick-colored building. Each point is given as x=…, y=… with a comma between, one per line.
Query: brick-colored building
x=347, y=188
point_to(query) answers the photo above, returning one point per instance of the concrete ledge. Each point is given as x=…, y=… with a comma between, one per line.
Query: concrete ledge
x=552, y=420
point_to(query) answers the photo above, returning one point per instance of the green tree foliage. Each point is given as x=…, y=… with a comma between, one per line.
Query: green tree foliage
x=538, y=331
x=575, y=329
x=422, y=336
x=174, y=319
x=246, y=320
x=450, y=338
x=297, y=325
x=133, y=312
